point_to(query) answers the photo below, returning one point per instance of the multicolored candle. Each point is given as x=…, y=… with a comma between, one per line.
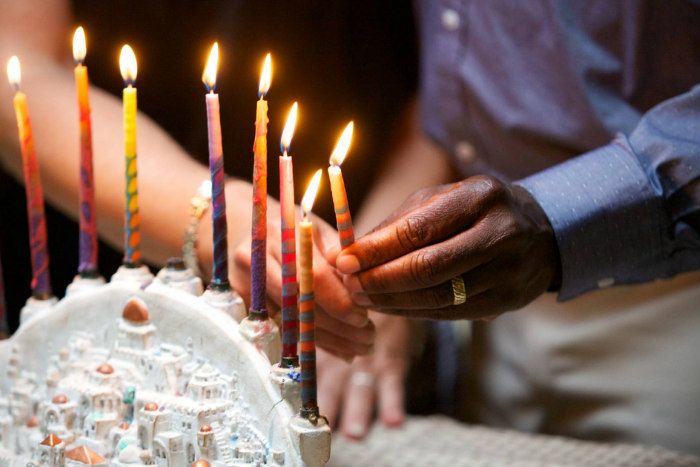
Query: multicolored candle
x=41, y=281
x=4, y=327
x=290, y=286
x=216, y=166
x=258, y=309
x=340, y=198
x=132, y=253
x=87, y=266
x=307, y=305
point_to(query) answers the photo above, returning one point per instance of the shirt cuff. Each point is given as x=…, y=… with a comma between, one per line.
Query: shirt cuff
x=606, y=218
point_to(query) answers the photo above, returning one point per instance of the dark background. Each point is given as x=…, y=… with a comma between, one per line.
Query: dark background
x=340, y=60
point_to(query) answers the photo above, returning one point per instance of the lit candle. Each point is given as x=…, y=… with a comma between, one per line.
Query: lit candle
x=127, y=64
x=41, y=281
x=290, y=286
x=340, y=198
x=216, y=166
x=87, y=266
x=259, y=231
x=307, y=306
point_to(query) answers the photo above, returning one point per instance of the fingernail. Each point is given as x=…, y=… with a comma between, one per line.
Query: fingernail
x=355, y=430
x=352, y=283
x=361, y=299
x=347, y=264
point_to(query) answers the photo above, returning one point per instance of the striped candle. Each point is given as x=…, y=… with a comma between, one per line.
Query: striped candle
x=41, y=281
x=307, y=306
x=216, y=166
x=340, y=198
x=290, y=286
x=87, y=266
x=4, y=327
x=132, y=253
x=258, y=276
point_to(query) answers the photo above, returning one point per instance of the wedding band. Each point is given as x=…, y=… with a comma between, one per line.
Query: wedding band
x=458, y=290
x=362, y=378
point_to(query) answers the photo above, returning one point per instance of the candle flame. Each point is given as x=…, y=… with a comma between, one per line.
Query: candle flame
x=13, y=72
x=127, y=65
x=307, y=202
x=265, y=77
x=79, y=47
x=209, y=75
x=341, y=148
x=289, y=129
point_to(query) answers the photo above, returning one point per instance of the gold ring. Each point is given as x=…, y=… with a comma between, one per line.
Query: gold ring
x=458, y=290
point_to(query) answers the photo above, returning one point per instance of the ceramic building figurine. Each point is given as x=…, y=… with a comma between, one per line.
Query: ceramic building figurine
x=120, y=376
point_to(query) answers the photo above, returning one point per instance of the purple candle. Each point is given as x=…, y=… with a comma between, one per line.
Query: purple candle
x=41, y=281
x=258, y=275
x=216, y=166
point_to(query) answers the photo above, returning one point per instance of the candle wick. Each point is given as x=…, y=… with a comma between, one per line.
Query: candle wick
x=15, y=87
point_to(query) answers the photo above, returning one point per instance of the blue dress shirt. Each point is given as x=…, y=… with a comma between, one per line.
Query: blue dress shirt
x=590, y=105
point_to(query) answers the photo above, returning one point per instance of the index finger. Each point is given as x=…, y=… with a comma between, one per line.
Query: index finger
x=436, y=219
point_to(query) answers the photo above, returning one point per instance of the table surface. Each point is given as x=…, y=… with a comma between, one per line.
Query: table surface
x=441, y=441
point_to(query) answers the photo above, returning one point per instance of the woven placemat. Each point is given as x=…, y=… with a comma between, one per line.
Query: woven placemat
x=440, y=441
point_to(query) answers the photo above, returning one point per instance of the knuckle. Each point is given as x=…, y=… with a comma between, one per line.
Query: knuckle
x=412, y=232
x=422, y=268
x=492, y=190
x=241, y=257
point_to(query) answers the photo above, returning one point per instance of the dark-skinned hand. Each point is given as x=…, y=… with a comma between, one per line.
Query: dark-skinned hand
x=491, y=233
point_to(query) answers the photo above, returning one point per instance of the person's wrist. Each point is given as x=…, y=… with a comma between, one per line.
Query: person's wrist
x=534, y=211
x=199, y=206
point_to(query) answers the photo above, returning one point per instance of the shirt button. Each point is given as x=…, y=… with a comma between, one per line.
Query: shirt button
x=465, y=152
x=450, y=20
x=606, y=282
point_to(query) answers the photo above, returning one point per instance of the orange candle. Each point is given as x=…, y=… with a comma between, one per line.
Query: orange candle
x=259, y=232
x=307, y=305
x=41, y=281
x=87, y=266
x=340, y=198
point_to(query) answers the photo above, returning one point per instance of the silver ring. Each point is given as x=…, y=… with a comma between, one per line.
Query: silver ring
x=363, y=378
x=459, y=291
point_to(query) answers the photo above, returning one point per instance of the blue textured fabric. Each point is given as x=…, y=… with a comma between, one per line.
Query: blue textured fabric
x=591, y=106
